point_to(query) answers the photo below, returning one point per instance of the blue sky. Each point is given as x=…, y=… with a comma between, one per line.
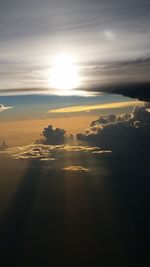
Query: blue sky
x=37, y=106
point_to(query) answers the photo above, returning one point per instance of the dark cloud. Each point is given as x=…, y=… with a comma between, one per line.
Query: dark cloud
x=127, y=133
x=53, y=136
x=128, y=77
x=139, y=90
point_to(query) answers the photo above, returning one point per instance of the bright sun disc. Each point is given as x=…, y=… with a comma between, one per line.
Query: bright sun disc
x=64, y=74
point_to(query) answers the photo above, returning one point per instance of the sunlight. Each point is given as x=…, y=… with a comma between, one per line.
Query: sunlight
x=64, y=74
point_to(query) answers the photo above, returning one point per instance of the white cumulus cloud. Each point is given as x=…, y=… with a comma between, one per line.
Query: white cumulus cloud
x=3, y=108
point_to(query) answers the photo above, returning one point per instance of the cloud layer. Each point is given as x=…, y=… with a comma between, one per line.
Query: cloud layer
x=51, y=152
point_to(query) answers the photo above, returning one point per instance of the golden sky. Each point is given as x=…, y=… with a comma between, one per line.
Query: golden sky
x=24, y=132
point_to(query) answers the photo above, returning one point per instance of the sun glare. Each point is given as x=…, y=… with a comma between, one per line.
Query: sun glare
x=64, y=74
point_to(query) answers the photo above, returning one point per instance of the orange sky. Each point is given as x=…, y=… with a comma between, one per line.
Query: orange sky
x=24, y=132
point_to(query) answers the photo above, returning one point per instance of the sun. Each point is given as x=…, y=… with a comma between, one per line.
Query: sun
x=64, y=74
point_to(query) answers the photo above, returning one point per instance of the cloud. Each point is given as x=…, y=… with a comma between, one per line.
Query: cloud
x=127, y=133
x=128, y=77
x=76, y=169
x=94, y=107
x=3, y=108
x=53, y=136
x=51, y=152
x=139, y=90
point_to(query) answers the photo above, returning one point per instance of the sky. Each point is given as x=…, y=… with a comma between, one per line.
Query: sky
x=75, y=132
x=108, y=40
x=64, y=59
x=23, y=117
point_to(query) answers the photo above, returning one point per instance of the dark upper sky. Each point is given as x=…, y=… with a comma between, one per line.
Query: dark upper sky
x=95, y=33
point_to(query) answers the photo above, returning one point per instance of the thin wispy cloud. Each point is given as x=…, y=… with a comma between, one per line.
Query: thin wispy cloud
x=87, y=108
